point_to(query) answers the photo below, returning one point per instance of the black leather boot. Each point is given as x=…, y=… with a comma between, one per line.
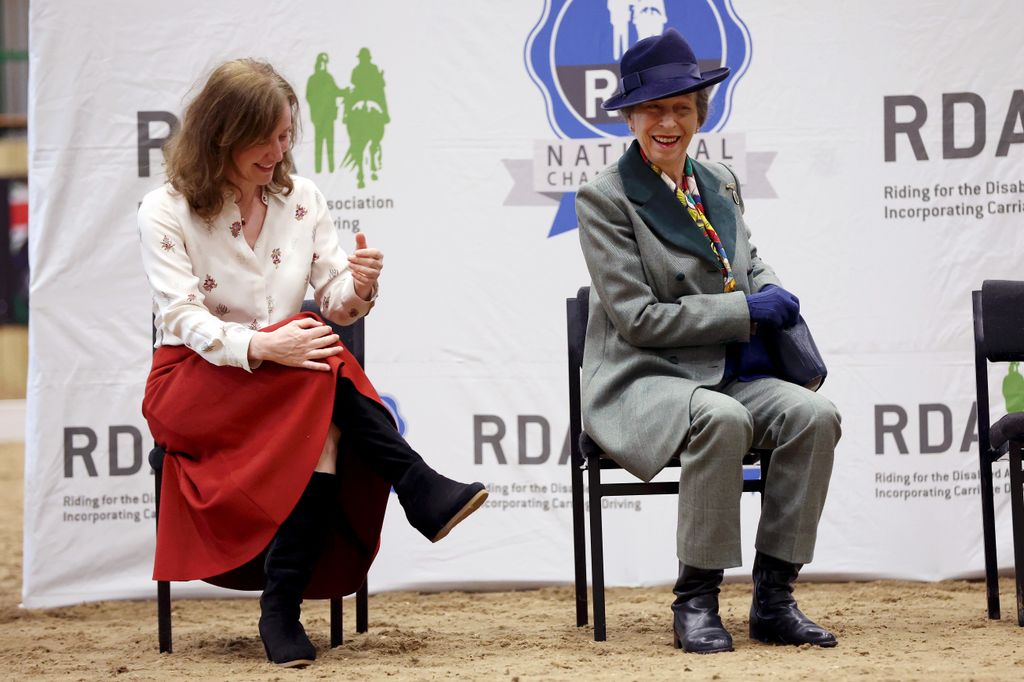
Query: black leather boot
x=291, y=556
x=696, y=624
x=433, y=504
x=774, y=616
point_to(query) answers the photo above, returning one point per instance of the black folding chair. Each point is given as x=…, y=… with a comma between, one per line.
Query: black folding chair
x=353, y=338
x=999, y=337
x=587, y=456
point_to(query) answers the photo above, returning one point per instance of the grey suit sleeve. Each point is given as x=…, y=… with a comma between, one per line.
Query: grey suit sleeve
x=761, y=274
x=617, y=272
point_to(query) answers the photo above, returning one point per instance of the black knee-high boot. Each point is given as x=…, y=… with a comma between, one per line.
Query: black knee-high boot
x=433, y=504
x=696, y=625
x=291, y=556
x=774, y=616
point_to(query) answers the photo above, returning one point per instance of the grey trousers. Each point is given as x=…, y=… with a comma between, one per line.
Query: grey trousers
x=801, y=426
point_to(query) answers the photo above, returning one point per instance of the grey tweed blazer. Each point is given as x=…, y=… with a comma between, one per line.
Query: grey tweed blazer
x=659, y=320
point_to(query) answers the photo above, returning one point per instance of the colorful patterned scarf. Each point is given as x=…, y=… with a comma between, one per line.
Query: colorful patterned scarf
x=690, y=199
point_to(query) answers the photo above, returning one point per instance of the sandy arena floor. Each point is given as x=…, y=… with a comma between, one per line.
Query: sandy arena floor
x=887, y=631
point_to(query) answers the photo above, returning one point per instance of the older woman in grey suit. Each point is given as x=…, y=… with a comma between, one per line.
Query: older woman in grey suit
x=674, y=366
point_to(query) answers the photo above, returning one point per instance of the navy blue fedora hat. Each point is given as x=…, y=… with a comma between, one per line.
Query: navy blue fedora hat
x=660, y=66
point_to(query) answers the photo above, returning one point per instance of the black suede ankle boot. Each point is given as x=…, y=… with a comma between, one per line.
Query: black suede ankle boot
x=696, y=625
x=291, y=556
x=433, y=504
x=774, y=616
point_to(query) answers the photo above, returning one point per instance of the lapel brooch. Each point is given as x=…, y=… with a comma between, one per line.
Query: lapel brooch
x=735, y=196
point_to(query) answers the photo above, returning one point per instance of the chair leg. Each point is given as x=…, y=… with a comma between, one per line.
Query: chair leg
x=362, y=609
x=337, y=621
x=163, y=615
x=1017, y=512
x=579, y=544
x=988, y=524
x=163, y=587
x=597, y=552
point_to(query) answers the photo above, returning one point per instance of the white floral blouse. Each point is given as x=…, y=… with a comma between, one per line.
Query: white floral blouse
x=211, y=292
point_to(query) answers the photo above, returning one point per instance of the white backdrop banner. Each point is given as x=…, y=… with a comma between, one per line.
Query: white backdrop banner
x=883, y=164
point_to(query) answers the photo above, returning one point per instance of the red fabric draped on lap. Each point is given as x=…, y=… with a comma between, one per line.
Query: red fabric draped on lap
x=241, y=448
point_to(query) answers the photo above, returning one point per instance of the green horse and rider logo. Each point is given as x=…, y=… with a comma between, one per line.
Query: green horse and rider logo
x=364, y=113
x=1013, y=389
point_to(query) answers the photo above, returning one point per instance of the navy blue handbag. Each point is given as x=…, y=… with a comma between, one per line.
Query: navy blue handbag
x=796, y=356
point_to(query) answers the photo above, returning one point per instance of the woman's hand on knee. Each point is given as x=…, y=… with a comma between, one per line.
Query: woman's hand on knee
x=300, y=343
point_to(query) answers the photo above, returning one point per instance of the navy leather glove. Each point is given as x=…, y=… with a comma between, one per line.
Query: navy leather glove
x=773, y=306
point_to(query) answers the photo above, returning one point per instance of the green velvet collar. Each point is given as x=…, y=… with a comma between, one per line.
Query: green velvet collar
x=661, y=211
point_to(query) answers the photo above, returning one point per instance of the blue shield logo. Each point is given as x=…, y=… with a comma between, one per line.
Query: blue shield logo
x=572, y=55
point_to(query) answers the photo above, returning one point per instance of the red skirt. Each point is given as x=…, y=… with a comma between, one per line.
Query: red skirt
x=240, y=449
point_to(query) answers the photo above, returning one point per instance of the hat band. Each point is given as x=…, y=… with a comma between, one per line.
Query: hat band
x=632, y=81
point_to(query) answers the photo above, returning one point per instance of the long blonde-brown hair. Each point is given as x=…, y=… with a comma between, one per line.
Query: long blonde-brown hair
x=239, y=106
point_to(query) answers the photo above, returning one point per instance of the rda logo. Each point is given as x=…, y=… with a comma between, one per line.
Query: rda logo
x=364, y=113
x=572, y=55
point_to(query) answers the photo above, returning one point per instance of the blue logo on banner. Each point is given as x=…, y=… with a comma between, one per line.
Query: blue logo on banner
x=572, y=55
x=392, y=405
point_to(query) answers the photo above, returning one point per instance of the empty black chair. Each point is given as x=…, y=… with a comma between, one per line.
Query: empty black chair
x=353, y=338
x=587, y=456
x=999, y=337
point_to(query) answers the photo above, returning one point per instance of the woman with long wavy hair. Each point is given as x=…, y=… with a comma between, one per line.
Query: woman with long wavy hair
x=281, y=455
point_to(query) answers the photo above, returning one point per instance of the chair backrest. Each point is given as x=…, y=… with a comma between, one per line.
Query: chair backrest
x=998, y=337
x=576, y=313
x=980, y=373
x=1002, y=320
x=353, y=336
